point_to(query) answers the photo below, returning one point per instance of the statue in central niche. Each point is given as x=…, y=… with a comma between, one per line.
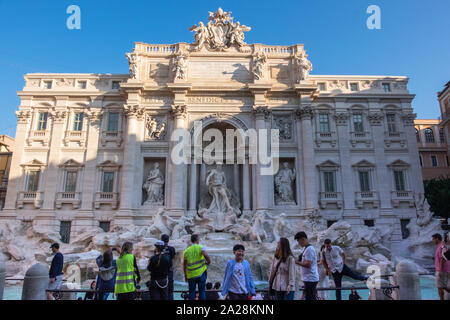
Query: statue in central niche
x=220, y=211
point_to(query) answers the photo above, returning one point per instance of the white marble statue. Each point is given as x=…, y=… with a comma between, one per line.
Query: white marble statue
x=237, y=33
x=279, y=227
x=154, y=186
x=133, y=64
x=162, y=223
x=303, y=66
x=180, y=229
x=201, y=35
x=284, y=193
x=259, y=62
x=155, y=129
x=217, y=187
x=180, y=65
x=257, y=231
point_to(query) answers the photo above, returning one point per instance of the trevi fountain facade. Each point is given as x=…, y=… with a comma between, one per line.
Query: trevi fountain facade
x=93, y=161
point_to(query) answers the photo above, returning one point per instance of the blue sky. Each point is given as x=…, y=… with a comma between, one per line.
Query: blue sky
x=414, y=39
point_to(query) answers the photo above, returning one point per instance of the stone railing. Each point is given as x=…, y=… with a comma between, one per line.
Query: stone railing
x=156, y=49
x=110, y=198
x=73, y=198
x=326, y=198
x=31, y=197
x=402, y=196
x=75, y=136
x=360, y=137
x=367, y=197
x=42, y=136
x=111, y=136
x=394, y=137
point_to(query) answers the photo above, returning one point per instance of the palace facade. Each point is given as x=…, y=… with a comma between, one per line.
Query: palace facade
x=87, y=145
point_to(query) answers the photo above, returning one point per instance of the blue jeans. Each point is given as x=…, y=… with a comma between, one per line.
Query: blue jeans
x=346, y=271
x=201, y=282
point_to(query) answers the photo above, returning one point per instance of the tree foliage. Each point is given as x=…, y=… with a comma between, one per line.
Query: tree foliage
x=437, y=192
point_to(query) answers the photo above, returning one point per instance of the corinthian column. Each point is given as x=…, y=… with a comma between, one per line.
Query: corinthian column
x=309, y=171
x=262, y=182
x=178, y=172
x=128, y=185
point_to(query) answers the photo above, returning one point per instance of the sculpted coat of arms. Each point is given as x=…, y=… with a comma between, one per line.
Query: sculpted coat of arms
x=220, y=33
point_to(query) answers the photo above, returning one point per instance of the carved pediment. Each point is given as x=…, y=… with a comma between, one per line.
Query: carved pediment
x=328, y=164
x=108, y=164
x=34, y=163
x=71, y=163
x=398, y=163
x=363, y=163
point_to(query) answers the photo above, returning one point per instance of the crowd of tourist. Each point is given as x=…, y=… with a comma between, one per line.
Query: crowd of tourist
x=122, y=277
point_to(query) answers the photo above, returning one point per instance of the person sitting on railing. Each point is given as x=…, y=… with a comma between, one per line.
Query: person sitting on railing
x=211, y=295
x=91, y=295
x=334, y=263
x=354, y=295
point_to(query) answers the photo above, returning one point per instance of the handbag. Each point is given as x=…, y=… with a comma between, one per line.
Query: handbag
x=272, y=279
x=446, y=254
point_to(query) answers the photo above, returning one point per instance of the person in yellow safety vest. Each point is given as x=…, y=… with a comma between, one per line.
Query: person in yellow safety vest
x=127, y=273
x=194, y=265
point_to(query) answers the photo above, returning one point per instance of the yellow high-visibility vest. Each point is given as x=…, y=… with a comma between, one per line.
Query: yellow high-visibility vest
x=196, y=262
x=125, y=274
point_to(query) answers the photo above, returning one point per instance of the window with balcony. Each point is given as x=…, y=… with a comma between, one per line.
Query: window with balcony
x=364, y=181
x=32, y=181
x=113, y=121
x=434, y=162
x=329, y=179
x=386, y=87
x=324, y=123
x=42, y=121
x=399, y=178
x=108, y=181
x=358, y=122
x=78, y=121
x=70, y=181
x=429, y=135
x=391, y=122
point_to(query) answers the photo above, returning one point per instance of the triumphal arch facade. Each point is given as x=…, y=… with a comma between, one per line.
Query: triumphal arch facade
x=96, y=149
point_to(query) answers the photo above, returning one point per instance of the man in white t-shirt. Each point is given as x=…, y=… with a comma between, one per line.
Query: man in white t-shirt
x=334, y=263
x=308, y=263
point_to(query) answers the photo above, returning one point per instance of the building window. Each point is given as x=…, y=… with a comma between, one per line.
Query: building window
x=358, y=123
x=116, y=85
x=399, y=177
x=330, y=223
x=329, y=181
x=434, y=162
x=441, y=135
x=78, y=121
x=42, y=121
x=105, y=225
x=324, y=123
x=64, y=231
x=108, y=182
x=364, y=181
x=429, y=135
x=403, y=225
x=392, y=126
x=81, y=84
x=353, y=86
x=386, y=87
x=113, y=121
x=369, y=223
x=446, y=159
x=32, y=183
x=322, y=86
x=47, y=84
x=417, y=135
x=70, y=182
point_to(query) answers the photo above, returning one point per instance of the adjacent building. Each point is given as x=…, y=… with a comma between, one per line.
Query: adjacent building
x=6, y=151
